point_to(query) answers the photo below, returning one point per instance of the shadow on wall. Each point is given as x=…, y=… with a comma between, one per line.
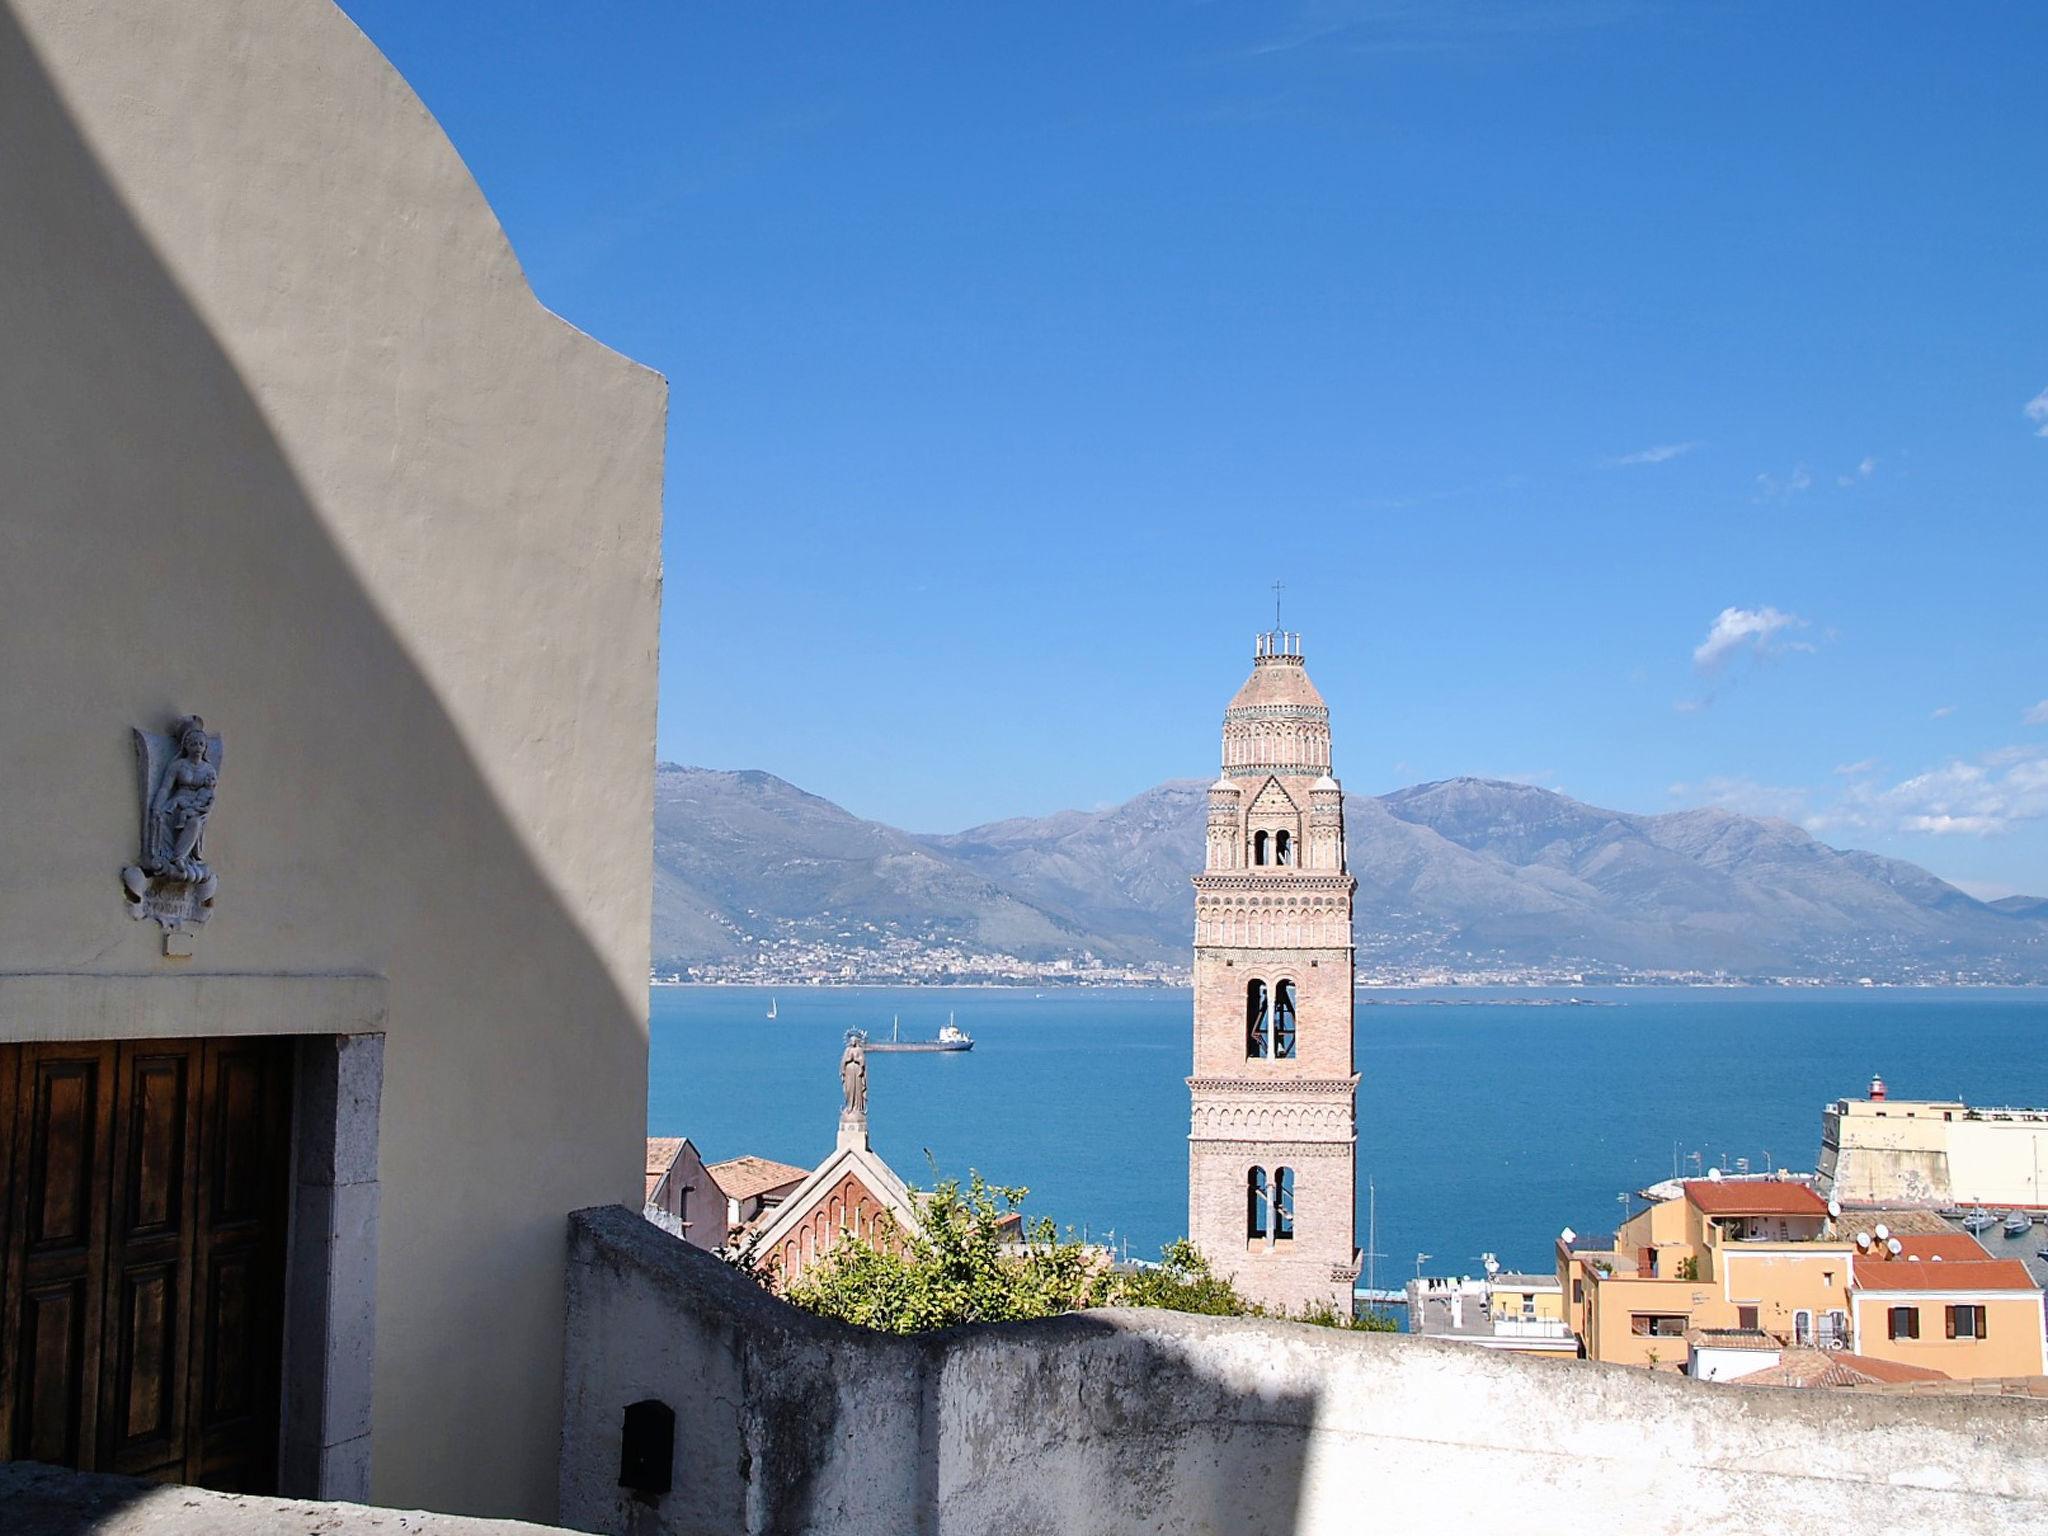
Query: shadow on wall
x=788, y=1422
x=158, y=553
x=1126, y=1423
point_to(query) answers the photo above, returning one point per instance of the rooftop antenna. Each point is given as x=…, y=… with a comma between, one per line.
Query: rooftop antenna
x=1278, y=587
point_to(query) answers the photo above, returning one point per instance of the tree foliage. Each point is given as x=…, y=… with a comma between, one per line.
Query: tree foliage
x=960, y=1268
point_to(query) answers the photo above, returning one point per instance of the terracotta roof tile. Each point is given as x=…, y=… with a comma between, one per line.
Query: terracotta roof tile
x=744, y=1177
x=661, y=1153
x=1754, y=1197
x=1945, y=1245
x=1835, y=1368
x=1902, y=1275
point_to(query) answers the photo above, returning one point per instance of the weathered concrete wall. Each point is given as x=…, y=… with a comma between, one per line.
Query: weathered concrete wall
x=291, y=444
x=1169, y=1425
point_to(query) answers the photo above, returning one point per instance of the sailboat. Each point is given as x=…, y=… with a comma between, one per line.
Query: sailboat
x=771, y=1007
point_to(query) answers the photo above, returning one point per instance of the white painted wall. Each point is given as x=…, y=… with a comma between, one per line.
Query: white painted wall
x=291, y=444
x=1710, y=1364
x=1160, y=1424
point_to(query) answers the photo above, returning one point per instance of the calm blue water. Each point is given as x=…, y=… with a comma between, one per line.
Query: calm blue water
x=1484, y=1128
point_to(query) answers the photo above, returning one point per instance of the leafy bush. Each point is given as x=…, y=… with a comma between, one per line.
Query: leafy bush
x=960, y=1269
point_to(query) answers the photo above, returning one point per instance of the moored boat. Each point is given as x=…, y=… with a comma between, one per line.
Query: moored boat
x=1979, y=1220
x=2017, y=1223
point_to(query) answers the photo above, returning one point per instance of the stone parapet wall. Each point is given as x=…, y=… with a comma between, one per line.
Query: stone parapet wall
x=51, y=1501
x=1151, y=1423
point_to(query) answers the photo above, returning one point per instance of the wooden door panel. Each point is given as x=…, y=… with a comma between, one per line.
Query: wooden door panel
x=238, y=1314
x=143, y=1390
x=62, y=1156
x=153, y=1182
x=56, y=1254
x=144, y=1396
x=143, y=1198
x=52, y=1372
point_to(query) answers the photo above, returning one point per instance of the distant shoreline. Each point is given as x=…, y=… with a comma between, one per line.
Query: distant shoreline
x=1383, y=994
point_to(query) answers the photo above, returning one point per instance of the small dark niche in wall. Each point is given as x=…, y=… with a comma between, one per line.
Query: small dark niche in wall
x=647, y=1448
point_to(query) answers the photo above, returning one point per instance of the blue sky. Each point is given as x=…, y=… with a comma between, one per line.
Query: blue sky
x=1634, y=399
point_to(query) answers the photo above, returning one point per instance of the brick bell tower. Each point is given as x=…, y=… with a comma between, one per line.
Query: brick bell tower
x=1273, y=1139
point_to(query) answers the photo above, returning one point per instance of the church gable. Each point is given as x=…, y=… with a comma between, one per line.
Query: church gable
x=846, y=1196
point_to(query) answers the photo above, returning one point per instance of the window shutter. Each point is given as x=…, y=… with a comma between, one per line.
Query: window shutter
x=1983, y=1322
x=1951, y=1311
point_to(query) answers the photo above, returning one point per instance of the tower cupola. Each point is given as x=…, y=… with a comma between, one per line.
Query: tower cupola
x=1277, y=723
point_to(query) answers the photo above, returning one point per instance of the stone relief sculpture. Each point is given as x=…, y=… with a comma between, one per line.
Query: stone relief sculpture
x=853, y=1076
x=180, y=770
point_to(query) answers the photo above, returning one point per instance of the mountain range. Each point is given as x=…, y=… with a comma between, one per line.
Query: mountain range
x=754, y=877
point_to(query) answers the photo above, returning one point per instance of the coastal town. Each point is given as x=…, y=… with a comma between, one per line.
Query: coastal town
x=433, y=1103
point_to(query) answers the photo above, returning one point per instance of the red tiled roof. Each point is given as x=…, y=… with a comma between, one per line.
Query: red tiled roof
x=1945, y=1245
x=743, y=1177
x=1753, y=1197
x=1894, y=1370
x=1953, y=1275
x=1835, y=1368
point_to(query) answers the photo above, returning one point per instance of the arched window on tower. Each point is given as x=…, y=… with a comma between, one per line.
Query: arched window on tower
x=1283, y=1020
x=1259, y=848
x=1258, y=1023
x=1257, y=1211
x=1283, y=847
x=1283, y=1204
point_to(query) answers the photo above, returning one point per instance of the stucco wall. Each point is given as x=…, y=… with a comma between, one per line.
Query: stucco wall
x=1148, y=1422
x=291, y=444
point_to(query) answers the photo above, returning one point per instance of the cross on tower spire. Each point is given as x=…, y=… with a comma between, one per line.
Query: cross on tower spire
x=1278, y=586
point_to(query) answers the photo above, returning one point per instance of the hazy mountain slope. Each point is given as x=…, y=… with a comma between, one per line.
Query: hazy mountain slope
x=747, y=856
x=1467, y=874
x=1123, y=873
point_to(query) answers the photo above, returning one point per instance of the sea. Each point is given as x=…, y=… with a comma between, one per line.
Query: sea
x=1488, y=1120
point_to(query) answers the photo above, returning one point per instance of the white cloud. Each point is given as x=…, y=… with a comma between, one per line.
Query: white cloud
x=1857, y=770
x=1746, y=796
x=1863, y=471
x=1799, y=480
x=1942, y=713
x=1980, y=797
x=1657, y=454
x=2037, y=412
x=1751, y=629
x=2038, y=715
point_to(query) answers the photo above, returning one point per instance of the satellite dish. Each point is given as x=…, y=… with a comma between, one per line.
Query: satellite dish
x=1883, y=1231
x=1895, y=1247
x=1834, y=1207
x=1566, y=1236
x=1714, y=1174
x=1862, y=1240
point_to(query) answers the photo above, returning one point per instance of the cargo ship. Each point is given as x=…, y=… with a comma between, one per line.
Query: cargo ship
x=950, y=1038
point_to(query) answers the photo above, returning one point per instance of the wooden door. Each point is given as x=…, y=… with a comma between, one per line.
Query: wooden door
x=143, y=1190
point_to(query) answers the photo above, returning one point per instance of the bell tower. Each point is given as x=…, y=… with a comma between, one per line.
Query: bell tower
x=1273, y=1140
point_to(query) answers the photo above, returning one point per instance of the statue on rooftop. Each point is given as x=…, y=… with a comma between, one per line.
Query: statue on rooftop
x=172, y=881
x=853, y=1076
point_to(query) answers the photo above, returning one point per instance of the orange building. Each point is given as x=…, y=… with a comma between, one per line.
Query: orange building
x=1963, y=1317
x=1766, y=1255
